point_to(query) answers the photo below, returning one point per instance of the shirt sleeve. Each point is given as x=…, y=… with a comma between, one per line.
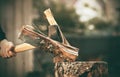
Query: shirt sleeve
x=2, y=34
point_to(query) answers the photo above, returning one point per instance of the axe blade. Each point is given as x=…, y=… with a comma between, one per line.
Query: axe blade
x=30, y=39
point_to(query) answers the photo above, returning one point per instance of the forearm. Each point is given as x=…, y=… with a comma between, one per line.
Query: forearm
x=2, y=35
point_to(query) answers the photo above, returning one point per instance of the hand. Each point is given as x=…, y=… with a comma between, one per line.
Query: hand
x=6, y=49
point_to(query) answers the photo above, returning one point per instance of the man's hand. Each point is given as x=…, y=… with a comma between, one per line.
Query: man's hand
x=6, y=49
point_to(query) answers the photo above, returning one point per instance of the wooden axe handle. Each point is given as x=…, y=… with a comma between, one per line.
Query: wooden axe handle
x=23, y=47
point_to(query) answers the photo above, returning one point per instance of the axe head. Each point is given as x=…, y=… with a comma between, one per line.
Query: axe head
x=61, y=51
x=27, y=38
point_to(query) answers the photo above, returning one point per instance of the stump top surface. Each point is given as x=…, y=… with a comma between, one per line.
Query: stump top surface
x=78, y=67
x=84, y=62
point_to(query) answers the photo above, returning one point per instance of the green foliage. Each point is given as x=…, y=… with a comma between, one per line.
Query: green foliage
x=100, y=24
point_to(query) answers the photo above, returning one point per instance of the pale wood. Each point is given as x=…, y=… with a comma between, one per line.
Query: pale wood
x=52, y=21
x=23, y=47
x=50, y=17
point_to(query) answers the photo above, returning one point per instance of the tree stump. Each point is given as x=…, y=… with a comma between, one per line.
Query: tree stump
x=81, y=69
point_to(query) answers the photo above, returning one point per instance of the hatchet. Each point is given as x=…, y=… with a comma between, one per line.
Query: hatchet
x=62, y=51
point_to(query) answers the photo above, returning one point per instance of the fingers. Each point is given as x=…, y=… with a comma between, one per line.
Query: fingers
x=10, y=54
x=6, y=48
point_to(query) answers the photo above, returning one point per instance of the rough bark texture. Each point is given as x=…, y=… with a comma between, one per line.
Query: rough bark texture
x=81, y=69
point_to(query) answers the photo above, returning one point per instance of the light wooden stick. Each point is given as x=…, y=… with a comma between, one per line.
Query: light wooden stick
x=50, y=17
x=23, y=47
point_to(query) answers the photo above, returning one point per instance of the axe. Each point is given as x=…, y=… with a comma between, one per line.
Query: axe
x=62, y=51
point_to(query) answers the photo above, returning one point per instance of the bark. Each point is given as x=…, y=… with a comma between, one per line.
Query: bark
x=81, y=69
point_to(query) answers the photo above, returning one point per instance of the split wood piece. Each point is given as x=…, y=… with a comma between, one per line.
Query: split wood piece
x=52, y=23
x=68, y=52
x=81, y=69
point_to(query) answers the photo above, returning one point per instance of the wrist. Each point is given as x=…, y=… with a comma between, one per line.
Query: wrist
x=3, y=41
